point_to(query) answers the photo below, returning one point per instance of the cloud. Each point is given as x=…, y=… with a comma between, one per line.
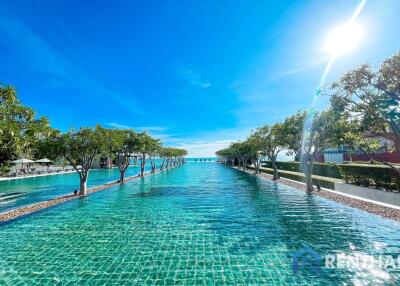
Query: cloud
x=118, y=126
x=151, y=128
x=156, y=131
x=200, y=148
x=204, y=148
x=140, y=128
x=193, y=78
x=59, y=71
x=205, y=144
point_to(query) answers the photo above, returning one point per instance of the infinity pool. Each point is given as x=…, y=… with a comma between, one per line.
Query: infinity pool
x=198, y=224
x=46, y=187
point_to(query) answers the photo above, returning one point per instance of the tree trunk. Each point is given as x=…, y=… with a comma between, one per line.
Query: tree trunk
x=109, y=162
x=122, y=176
x=276, y=175
x=83, y=186
x=142, y=165
x=123, y=161
x=309, y=181
x=308, y=165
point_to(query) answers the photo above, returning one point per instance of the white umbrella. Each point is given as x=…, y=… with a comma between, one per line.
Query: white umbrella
x=44, y=160
x=22, y=161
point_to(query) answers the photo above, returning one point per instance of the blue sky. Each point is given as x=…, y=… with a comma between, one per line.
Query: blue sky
x=197, y=74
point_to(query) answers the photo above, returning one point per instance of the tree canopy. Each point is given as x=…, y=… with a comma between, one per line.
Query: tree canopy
x=367, y=101
x=23, y=134
x=364, y=106
x=20, y=128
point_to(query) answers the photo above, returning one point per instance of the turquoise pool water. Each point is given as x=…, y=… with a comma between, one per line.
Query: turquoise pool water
x=199, y=224
x=46, y=187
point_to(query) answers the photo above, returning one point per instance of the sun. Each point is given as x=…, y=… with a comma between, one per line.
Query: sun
x=343, y=39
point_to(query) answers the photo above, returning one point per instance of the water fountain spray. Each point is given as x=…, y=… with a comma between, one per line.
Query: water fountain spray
x=342, y=40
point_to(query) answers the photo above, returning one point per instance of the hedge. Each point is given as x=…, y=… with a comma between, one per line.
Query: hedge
x=319, y=169
x=367, y=175
x=377, y=176
x=323, y=183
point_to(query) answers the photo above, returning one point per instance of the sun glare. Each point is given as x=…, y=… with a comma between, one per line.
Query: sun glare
x=343, y=39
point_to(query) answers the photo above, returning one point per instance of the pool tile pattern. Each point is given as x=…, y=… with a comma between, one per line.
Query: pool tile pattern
x=201, y=224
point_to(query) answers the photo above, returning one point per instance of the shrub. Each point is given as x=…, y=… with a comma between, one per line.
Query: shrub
x=4, y=170
x=300, y=177
x=377, y=176
x=366, y=174
x=320, y=169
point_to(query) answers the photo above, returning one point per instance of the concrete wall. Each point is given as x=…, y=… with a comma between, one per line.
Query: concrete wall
x=369, y=193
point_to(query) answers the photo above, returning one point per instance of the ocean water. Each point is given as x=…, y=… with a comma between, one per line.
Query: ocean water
x=198, y=224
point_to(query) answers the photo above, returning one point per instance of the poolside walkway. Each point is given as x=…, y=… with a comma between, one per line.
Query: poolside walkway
x=352, y=201
x=29, y=209
x=34, y=176
x=43, y=175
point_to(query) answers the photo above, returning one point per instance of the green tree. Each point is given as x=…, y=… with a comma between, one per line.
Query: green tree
x=325, y=131
x=163, y=154
x=125, y=143
x=113, y=142
x=20, y=129
x=145, y=145
x=79, y=148
x=153, y=153
x=273, y=142
x=239, y=153
x=293, y=127
x=171, y=156
x=226, y=156
x=179, y=155
x=256, y=152
x=369, y=102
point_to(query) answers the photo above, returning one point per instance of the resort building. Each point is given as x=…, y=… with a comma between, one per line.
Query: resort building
x=342, y=154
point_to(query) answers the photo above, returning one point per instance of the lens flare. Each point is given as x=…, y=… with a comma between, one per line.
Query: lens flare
x=343, y=39
x=340, y=41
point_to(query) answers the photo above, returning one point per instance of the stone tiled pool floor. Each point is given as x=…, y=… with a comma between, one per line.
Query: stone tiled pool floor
x=200, y=224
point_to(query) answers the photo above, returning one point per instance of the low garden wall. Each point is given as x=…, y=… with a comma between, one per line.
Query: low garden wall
x=364, y=175
x=392, y=198
x=323, y=182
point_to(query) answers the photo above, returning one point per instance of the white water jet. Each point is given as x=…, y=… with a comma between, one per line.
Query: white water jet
x=340, y=41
